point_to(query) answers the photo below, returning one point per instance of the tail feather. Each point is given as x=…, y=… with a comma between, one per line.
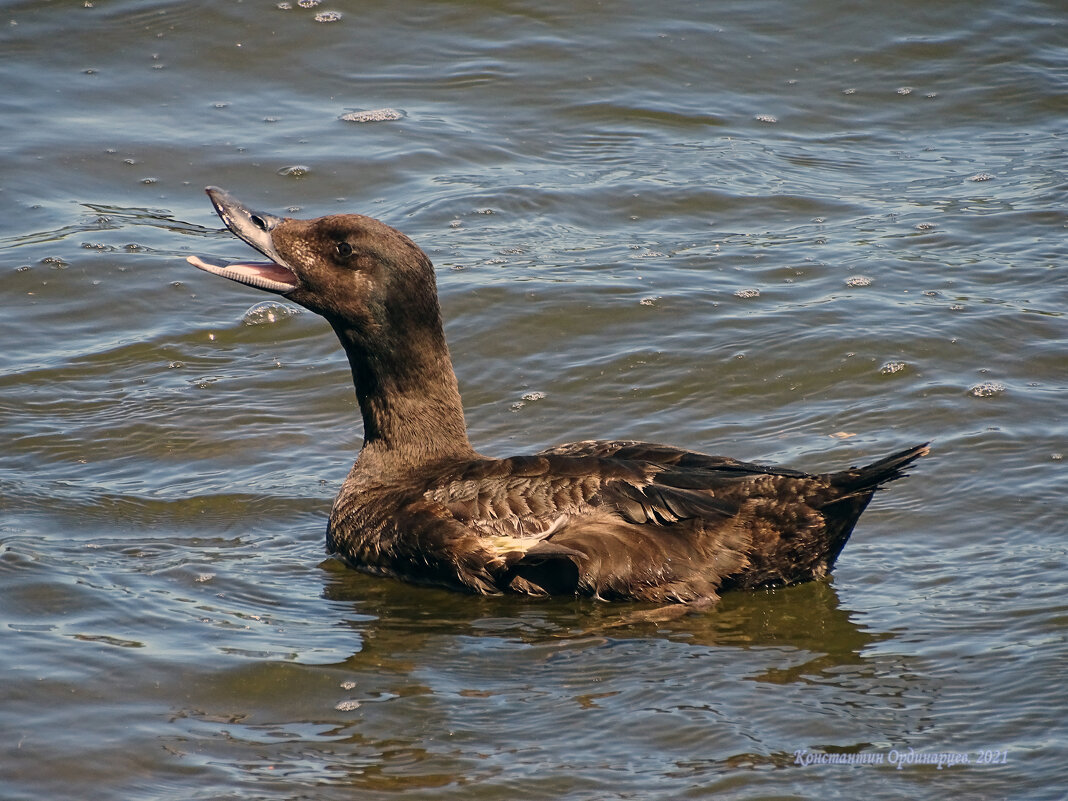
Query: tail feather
x=863, y=479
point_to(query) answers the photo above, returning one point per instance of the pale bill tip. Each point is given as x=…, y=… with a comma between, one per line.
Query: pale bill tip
x=196, y=261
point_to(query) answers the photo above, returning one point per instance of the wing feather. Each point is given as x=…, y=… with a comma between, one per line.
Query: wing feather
x=600, y=525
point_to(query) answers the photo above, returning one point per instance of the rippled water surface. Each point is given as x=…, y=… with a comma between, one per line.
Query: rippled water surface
x=800, y=232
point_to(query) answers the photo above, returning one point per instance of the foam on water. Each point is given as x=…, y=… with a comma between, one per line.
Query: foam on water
x=987, y=389
x=373, y=115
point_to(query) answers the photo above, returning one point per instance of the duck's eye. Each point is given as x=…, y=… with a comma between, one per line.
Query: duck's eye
x=259, y=222
x=344, y=249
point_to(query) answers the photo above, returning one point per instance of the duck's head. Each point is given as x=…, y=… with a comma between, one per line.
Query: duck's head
x=355, y=271
x=376, y=288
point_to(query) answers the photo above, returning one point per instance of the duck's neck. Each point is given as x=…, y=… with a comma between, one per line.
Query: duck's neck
x=412, y=412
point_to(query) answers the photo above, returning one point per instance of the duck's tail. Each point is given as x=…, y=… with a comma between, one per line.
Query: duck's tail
x=855, y=488
x=863, y=479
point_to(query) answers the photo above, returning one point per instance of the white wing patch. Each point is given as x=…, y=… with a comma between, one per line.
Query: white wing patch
x=501, y=544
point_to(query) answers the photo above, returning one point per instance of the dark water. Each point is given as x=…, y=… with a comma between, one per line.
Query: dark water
x=807, y=233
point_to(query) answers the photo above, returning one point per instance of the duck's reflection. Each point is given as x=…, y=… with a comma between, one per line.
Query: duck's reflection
x=807, y=620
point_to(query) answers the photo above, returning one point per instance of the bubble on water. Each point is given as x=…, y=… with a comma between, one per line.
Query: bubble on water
x=987, y=389
x=858, y=280
x=176, y=365
x=348, y=685
x=1057, y=457
x=269, y=311
x=373, y=115
x=219, y=105
x=651, y=301
x=150, y=180
x=747, y=293
x=308, y=3
x=926, y=226
x=328, y=16
x=768, y=118
x=348, y=705
x=892, y=367
x=294, y=171
x=285, y=6
x=55, y=262
x=202, y=577
x=527, y=398
x=981, y=176
x=849, y=91
x=904, y=90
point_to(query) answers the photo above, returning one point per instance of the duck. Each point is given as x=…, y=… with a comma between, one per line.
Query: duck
x=607, y=519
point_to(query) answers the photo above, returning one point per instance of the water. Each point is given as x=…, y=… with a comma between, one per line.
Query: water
x=807, y=233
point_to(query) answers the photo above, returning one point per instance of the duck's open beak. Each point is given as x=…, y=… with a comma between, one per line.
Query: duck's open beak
x=255, y=228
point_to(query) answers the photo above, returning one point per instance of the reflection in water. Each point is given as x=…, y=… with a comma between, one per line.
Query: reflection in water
x=814, y=637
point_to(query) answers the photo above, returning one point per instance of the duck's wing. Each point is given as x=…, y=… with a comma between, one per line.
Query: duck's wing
x=610, y=527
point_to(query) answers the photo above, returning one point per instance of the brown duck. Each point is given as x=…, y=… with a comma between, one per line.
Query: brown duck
x=609, y=519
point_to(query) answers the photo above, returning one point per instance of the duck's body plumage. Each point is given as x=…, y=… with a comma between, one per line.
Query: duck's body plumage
x=607, y=519
x=610, y=519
